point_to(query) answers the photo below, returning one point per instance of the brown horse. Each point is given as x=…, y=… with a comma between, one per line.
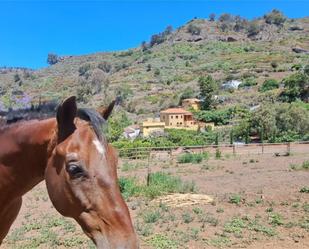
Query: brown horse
x=79, y=168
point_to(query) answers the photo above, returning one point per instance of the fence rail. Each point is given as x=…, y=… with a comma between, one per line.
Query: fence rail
x=301, y=147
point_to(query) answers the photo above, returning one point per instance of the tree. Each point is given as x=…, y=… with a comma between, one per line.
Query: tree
x=52, y=59
x=296, y=86
x=212, y=17
x=208, y=87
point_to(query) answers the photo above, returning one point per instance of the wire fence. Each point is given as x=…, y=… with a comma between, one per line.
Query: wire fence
x=236, y=149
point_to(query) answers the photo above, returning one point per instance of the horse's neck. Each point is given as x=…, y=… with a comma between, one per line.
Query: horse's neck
x=24, y=151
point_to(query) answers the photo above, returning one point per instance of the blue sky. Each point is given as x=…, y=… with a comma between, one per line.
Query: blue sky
x=31, y=29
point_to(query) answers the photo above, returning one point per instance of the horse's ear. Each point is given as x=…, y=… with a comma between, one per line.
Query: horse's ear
x=107, y=111
x=66, y=113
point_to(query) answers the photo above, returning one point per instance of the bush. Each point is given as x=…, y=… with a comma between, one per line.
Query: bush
x=268, y=85
x=193, y=29
x=253, y=28
x=192, y=158
x=235, y=199
x=105, y=66
x=248, y=82
x=84, y=69
x=275, y=17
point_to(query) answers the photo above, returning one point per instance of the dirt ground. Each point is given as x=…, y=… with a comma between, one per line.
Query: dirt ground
x=242, y=201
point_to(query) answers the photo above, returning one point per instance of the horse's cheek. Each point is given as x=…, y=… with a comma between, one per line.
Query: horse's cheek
x=55, y=189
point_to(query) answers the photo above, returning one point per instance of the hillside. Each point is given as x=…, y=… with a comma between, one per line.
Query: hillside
x=155, y=75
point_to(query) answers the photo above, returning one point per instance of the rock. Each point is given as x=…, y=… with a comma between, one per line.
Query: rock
x=231, y=39
x=295, y=28
x=300, y=50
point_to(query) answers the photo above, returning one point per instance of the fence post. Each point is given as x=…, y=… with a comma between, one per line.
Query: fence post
x=288, y=148
x=148, y=168
x=234, y=149
x=171, y=156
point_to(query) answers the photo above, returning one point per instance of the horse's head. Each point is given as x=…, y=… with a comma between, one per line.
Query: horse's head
x=81, y=178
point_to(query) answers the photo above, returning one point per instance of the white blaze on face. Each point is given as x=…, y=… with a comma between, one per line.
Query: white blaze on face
x=99, y=147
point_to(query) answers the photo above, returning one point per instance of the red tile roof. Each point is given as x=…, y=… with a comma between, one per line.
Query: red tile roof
x=176, y=111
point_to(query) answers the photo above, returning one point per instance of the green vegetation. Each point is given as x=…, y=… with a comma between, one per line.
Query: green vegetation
x=235, y=199
x=269, y=85
x=208, y=87
x=159, y=184
x=304, y=189
x=160, y=241
x=193, y=157
x=303, y=166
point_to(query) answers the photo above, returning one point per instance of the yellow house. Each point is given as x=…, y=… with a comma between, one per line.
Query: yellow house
x=149, y=126
x=194, y=103
x=178, y=118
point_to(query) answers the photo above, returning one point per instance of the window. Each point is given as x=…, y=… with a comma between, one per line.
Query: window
x=176, y=116
x=180, y=123
x=170, y=123
x=171, y=116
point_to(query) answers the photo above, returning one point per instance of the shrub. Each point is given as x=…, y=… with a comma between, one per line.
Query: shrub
x=192, y=158
x=248, y=82
x=304, y=190
x=105, y=66
x=235, y=199
x=193, y=29
x=84, y=69
x=268, y=85
x=253, y=28
x=275, y=17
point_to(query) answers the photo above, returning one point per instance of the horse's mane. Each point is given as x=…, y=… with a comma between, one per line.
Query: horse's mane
x=48, y=110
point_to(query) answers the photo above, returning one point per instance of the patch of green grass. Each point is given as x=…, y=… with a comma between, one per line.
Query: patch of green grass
x=160, y=241
x=275, y=219
x=160, y=183
x=151, y=216
x=187, y=217
x=235, y=225
x=219, y=241
x=254, y=225
x=304, y=223
x=303, y=166
x=193, y=157
x=235, y=199
x=306, y=207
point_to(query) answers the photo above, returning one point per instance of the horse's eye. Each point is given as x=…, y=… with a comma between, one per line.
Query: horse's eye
x=75, y=171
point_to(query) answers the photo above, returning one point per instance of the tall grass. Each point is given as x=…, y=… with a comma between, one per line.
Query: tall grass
x=160, y=183
x=193, y=157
